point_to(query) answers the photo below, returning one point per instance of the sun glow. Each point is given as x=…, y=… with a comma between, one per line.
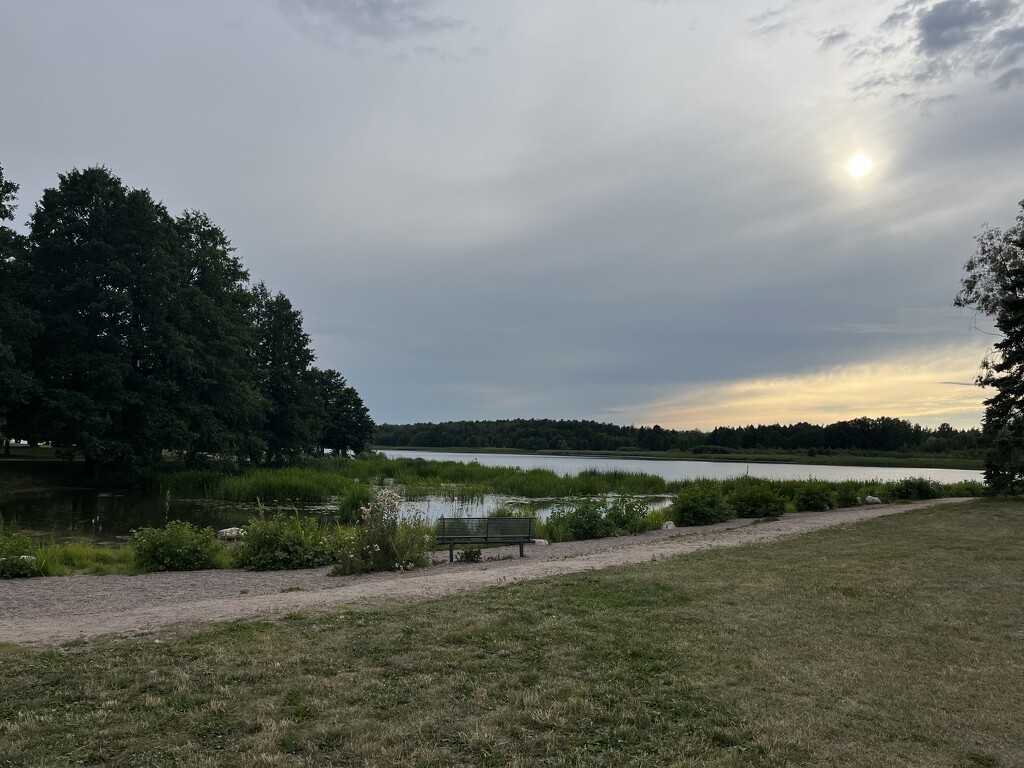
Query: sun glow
x=859, y=165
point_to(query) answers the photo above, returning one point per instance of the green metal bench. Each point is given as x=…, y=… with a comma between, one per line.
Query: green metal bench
x=484, y=530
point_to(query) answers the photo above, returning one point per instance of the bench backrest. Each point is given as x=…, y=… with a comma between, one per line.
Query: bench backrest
x=485, y=528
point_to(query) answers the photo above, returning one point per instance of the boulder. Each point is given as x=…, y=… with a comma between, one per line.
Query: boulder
x=668, y=525
x=230, y=534
x=872, y=500
x=540, y=542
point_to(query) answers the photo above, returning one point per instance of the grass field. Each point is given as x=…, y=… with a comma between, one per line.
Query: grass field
x=894, y=642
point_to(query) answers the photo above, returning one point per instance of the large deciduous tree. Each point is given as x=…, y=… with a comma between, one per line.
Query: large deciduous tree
x=993, y=285
x=103, y=275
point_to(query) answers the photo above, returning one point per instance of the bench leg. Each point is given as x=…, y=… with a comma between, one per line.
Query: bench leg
x=451, y=553
x=521, y=549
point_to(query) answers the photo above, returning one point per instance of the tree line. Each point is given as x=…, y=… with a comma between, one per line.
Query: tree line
x=126, y=332
x=864, y=434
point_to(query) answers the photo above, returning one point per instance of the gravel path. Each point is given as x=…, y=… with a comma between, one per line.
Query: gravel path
x=55, y=610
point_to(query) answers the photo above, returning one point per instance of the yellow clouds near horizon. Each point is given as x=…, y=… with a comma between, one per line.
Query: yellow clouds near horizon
x=928, y=389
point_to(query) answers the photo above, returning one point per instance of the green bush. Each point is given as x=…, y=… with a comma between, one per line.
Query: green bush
x=813, y=496
x=178, y=546
x=754, y=498
x=17, y=555
x=701, y=504
x=351, y=503
x=382, y=541
x=914, y=489
x=581, y=519
x=284, y=542
x=628, y=515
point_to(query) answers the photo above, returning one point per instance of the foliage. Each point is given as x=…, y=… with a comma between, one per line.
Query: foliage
x=993, y=285
x=178, y=546
x=599, y=517
x=862, y=434
x=346, y=424
x=69, y=557
x=18, y=556
x=914, y=488
x=471, y=555
x=752, y=497
x=352, y=503
x=284, y=542
x=701, y=503
x=382, y=541
x=813, y=496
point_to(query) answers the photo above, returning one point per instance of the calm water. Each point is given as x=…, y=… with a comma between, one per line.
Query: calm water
x=111, y=516
x=689, y=470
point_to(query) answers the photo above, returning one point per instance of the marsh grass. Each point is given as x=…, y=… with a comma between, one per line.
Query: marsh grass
x=895, y=642
x=70, y=557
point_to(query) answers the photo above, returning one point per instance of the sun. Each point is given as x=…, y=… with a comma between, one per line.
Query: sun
x=859, y=165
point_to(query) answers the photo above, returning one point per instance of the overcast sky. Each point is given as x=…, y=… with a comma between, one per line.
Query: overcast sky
x=628, y=211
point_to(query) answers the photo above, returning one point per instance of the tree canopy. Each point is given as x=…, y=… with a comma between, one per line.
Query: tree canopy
x=993, y=285
x=126, y=332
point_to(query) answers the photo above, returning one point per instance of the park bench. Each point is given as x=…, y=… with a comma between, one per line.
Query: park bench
x=484, y=530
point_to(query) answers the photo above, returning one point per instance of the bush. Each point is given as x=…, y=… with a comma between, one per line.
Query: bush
x=351, y=504
x=752, y=498
x=628, y=516
x=178, y=546
x=284, y=542
x=382, y=541
x=17, y=555
x=701, y=504
x=812, y=496
x=582, y=519
x=913, y=489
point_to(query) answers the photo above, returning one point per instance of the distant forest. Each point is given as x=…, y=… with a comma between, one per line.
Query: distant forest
x=864, y=434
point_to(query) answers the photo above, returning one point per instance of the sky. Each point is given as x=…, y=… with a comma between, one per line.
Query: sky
x=633, y=211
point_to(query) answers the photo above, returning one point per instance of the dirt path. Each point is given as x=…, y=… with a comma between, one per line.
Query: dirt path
x=55, y=610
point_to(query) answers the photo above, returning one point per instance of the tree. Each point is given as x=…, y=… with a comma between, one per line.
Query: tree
x=286, y=380
x=218, y=392
x=102, y=275
x=347, y=425
x=993, y=285
x=17, y=323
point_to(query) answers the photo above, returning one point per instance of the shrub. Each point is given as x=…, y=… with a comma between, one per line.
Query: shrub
x=471, y=555
x=178, y=546
x=284, y=542
x=628, y=515
x=752, y=498
x=382, y=541
x=582, y=519
x=812, y=496
x=351, y=504
x=701, y=504
x=914, y=488
x=17, y=555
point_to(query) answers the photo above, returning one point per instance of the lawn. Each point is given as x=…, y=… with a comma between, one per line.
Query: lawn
x=894, y=642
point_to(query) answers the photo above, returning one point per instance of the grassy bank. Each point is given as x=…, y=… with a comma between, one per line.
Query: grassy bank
x=892, y=642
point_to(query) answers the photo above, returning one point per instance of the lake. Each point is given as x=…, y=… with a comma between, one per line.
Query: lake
x=672, y=469
x=112, y=516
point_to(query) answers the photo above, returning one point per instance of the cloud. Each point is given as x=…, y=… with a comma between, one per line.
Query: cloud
x=1008, y=79
x=930, y=389
x=832, y=39
x=375, y=19
x=921, y=44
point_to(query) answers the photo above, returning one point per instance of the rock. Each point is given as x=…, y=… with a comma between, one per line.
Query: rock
x=668, y=525
x=27, y=558
x=872, y=500
x=230, y=534
x=540, y=542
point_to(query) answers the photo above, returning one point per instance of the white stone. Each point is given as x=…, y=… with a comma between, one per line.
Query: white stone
x=668, y=525
x=872, y=500
x=27, y=558
x=230, y=534
x=541, y=542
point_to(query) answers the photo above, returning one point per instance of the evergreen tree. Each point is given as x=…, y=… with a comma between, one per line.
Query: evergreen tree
x=347, y=425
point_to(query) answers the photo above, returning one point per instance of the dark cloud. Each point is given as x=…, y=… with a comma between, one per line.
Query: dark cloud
x=923, y=43
x=955, y=23
x=377, y=19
